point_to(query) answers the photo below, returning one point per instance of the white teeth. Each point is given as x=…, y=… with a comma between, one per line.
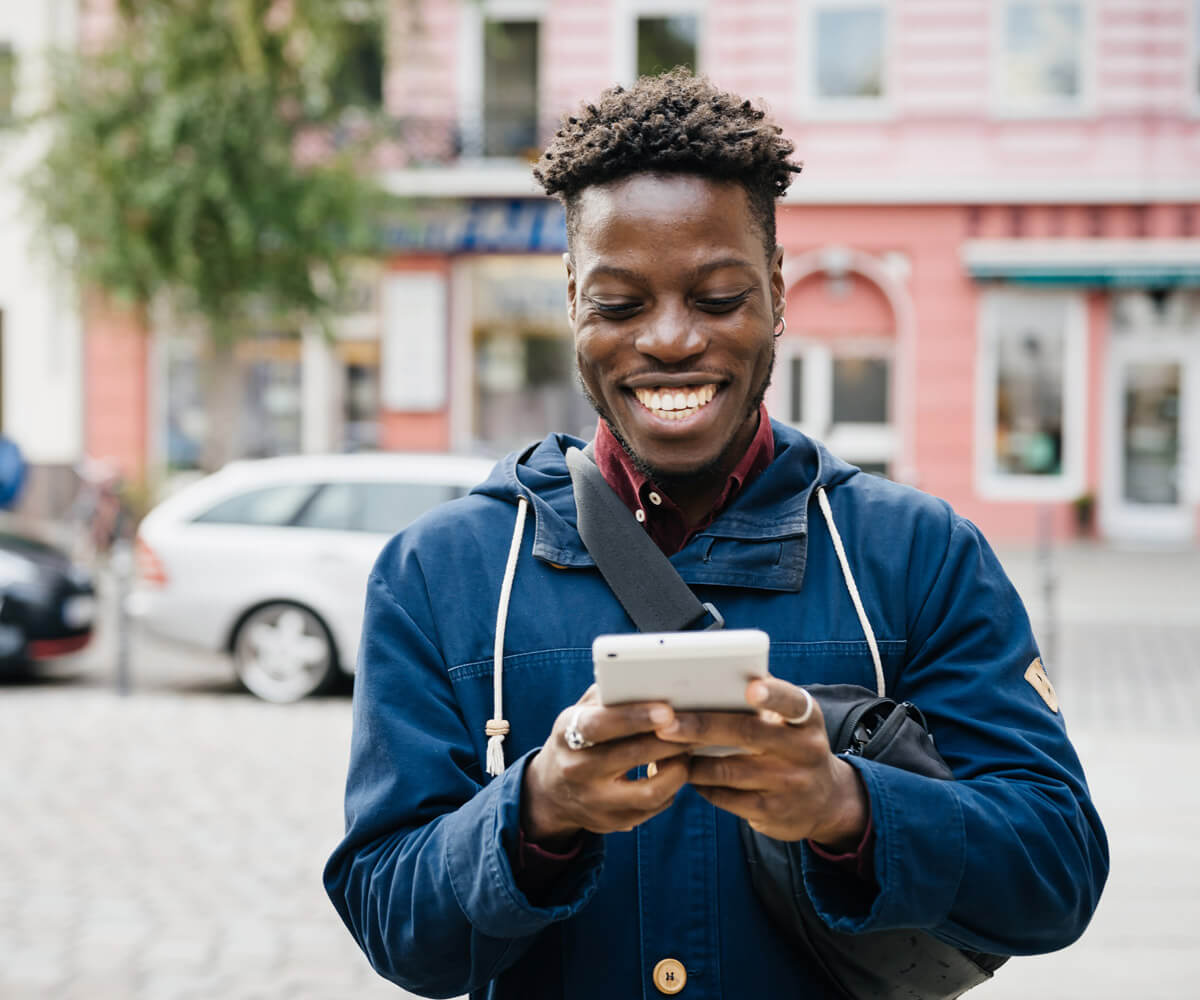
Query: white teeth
x=674, y=404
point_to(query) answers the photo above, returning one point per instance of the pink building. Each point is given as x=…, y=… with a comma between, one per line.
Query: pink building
x=993, y=253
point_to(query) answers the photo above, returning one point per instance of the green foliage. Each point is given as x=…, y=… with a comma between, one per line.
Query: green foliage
x=177, y=160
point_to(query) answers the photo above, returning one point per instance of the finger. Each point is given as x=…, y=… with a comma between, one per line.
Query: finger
x=735, y=729
x=600, y=723
x=624, y=798
x=749, y=805
x=747, y=772
x=789, y=702
x=617, y=757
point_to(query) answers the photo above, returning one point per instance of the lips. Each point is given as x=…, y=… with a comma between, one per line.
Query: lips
x=676, y=402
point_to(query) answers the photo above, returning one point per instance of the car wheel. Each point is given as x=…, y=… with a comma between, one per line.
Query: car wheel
x=283, y=652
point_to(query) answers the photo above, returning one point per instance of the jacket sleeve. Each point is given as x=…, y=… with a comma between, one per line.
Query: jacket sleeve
x=423, y=877
x=1009, y=858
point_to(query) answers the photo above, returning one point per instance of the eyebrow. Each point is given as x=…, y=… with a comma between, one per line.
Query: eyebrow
x=612, y=271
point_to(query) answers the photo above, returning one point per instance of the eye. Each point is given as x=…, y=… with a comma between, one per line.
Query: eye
x=722, y=304
x=615, y=310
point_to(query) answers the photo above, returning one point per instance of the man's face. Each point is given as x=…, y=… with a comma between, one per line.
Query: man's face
x=673, y=304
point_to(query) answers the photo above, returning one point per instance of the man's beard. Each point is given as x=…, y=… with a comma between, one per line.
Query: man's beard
x=679, y=485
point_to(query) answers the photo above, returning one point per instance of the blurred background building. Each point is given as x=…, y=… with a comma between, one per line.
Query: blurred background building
x=992, y=255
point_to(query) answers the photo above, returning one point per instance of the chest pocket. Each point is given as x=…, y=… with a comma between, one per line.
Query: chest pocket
x=836, y=661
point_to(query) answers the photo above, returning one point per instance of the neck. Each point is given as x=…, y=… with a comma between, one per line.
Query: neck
x=697, y=494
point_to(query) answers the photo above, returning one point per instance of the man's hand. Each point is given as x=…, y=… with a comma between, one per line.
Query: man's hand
x=789, y=785
x=567, y=790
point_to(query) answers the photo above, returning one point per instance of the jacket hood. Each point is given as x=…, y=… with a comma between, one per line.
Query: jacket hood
x=774, y=505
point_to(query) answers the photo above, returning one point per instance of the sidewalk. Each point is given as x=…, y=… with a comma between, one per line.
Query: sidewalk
x=1126, y=663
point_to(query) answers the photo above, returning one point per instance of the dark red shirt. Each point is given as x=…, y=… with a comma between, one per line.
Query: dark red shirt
x=659, y=515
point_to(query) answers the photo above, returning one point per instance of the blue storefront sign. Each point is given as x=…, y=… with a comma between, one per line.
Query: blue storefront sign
x=482, y=225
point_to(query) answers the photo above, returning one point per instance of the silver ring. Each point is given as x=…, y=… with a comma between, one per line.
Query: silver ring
x=574, y=738
x=799, y=720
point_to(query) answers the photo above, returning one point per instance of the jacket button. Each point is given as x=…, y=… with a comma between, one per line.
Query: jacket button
x=670, y=976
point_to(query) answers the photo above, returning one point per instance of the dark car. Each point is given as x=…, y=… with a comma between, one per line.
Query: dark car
x=47, y=603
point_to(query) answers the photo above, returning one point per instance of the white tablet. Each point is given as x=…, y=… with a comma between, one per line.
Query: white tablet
x=692, y=671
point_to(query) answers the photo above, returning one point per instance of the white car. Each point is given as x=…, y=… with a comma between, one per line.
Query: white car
x=268, y=559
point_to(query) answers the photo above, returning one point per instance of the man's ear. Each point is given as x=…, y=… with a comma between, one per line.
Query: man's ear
x=778, y=289
x=570, y=288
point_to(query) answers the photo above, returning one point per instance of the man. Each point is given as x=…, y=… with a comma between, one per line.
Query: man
x=578, y=871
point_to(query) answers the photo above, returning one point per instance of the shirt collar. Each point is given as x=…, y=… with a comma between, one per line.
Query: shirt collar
x=660, y=516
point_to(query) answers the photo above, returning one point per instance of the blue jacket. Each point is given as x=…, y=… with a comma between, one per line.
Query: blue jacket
x=1010, y=858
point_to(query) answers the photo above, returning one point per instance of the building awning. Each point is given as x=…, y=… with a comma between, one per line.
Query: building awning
x=1102, y=263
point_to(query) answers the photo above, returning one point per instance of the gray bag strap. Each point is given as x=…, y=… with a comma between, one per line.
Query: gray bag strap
x=650, y=590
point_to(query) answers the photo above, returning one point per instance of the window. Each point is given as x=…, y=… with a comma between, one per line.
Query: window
x=358, y=80
x=860, y=390
x=8, y=81
x=1041, y=54
x=848, y=54
x=841, y=394
x=510, y=88
x=666, y=42
x=388, y=507
x=332, y=509
x=268, y=505
x=1030, y=396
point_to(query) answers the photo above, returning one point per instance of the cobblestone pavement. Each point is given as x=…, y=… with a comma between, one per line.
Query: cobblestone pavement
x=168, y=845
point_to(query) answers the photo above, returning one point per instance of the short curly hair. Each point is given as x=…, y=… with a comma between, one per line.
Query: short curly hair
x=672, y=123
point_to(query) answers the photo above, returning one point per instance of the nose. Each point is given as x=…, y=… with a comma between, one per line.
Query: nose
x=670, y=336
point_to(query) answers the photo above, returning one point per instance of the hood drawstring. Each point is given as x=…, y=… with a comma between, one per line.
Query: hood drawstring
x=823, y=500
x=497, y=726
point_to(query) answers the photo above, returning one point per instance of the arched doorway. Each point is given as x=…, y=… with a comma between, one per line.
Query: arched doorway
x=841, y=372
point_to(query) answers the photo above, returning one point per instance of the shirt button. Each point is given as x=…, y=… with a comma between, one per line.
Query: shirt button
x=670, y=976
x=640, y=515
x=655, y=499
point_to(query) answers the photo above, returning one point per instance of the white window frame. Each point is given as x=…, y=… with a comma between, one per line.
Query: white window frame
x=859, y=108
x=625, y=22
x=470, y=76
x=1070, y=482
x=1006, y=106
x=855, y=442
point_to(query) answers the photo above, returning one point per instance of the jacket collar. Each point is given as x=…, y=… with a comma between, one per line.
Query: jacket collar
x=760, y=541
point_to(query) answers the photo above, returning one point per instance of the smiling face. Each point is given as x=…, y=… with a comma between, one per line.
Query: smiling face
x=673, y=303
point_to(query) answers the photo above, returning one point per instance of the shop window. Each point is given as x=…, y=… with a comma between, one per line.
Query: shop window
x=666, y=42
x=841, y=395
x=1030, y=396
x=510, y=88
x=1040, y=63
x=8, y=81
x=270, y=413
x=524, y=355
x=266, y=373
x=848, y=52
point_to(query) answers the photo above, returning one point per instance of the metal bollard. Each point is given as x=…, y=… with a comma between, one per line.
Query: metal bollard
x=121, y=563
x=1049, y=586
